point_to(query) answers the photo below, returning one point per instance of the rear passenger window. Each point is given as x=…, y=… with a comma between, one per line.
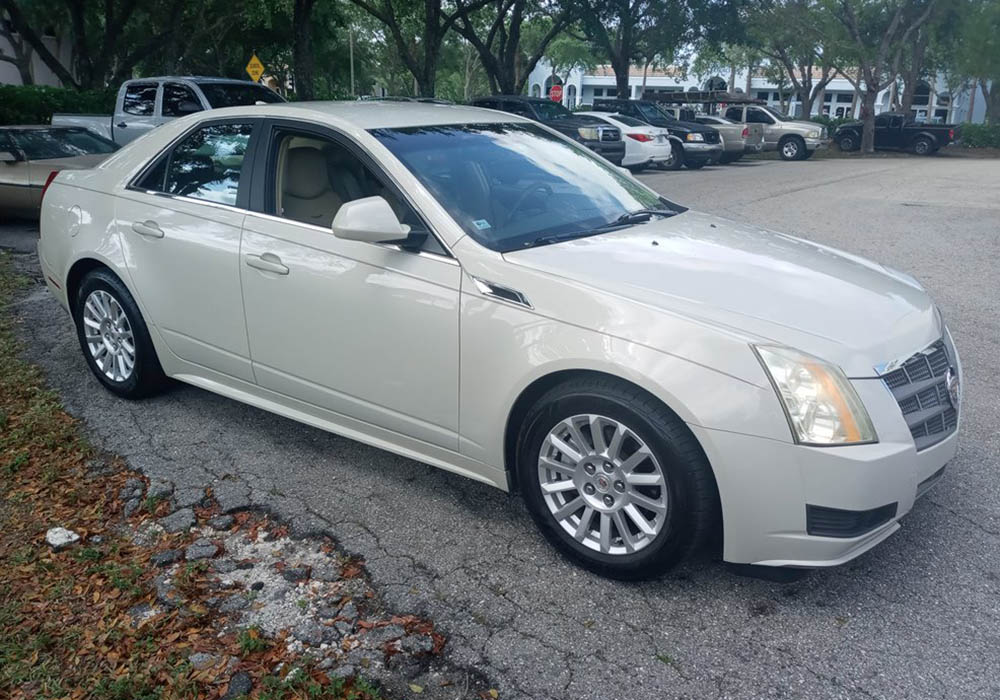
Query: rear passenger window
x=205, y=165
x=140, y=100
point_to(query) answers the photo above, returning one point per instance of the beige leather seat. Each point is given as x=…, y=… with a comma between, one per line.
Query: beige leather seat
x=306, y=192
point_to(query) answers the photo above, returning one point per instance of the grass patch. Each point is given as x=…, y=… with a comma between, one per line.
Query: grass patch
x=65, y=623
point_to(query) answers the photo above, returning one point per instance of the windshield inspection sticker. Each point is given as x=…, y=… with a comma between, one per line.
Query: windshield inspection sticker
x=481, y=224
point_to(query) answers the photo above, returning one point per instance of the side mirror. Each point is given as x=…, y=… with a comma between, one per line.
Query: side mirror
x=8, y=157
x=371, y=220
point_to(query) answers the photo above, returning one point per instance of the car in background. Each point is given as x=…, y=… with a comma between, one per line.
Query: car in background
x=30, y=156
x=793, y=139
x=737, y=139
x=695, y=145
x=645, y=145
x=145, y=103
x=895, y=131
x=595, y=134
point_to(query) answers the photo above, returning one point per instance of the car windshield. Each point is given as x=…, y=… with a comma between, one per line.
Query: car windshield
x=43, y=144
x=651, y=112
x=238, y=94
x=780, y=116
x=511, y=186
x=550, y=111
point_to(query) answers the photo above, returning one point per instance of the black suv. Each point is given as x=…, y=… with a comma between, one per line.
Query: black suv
x=699, y=145
x=595, y=134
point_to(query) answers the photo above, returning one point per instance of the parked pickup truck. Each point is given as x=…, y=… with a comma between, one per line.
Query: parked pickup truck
x=695, y=145
x=592, y=132
x=791, y=138
x=895, y=131
x=737, y=139
x=145, y=103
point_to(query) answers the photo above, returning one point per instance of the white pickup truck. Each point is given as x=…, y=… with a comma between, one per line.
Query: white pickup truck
x=145, y=103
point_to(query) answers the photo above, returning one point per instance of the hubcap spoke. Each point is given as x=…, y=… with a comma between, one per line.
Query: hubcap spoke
x=591, y=487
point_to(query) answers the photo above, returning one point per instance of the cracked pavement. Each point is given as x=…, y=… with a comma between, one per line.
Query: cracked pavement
x=918, y=617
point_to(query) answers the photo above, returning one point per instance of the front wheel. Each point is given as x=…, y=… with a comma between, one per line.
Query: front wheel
x=791, y=148
x=614, y=479
x=847, y=142
x=676, y=159
x=114, y=337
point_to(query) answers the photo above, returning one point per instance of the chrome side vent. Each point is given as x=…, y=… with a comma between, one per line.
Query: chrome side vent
x=498, y=291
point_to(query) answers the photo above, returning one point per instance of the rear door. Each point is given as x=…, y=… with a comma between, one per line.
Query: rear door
x=138, y=111
x=179, y=224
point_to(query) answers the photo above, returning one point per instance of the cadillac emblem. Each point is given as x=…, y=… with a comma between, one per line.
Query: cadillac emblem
x=954, y=389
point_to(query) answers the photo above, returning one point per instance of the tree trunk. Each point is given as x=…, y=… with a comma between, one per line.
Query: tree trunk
x=621, y=67
x=992, y=102
x=731, y=87
x=302, y=53
x=806, y=99
x=869, y=99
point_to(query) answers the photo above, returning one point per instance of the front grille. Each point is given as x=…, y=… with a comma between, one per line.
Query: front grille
x=610, y=135
x=711, y=136
x=920, y=387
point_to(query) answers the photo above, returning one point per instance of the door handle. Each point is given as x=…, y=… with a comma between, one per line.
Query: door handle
x=147, y=228
x=268, y=262
x=121, y=125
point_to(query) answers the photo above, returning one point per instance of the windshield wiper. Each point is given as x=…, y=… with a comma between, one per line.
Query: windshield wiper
x=641, y=215
x=633, y=217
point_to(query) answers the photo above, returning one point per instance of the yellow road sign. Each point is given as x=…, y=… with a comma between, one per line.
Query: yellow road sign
x=255, y=68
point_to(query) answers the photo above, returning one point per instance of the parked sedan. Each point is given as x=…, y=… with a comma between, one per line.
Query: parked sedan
x=645, y=145
x=475, y=291
x=31, y=155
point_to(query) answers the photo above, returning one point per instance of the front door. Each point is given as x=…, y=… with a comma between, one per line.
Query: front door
x=138, y=112
x=367, y=331
x=179, y=227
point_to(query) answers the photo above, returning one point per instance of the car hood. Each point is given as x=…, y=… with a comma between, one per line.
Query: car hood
x=767, y=286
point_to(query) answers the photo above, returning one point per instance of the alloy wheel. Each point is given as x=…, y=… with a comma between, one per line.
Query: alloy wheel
x=790, y=149
x=108, y=336
x=603, y=484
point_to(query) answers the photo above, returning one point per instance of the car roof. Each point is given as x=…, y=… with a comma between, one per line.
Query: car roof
x=197, y=78
x=372, y=114
x=34, y=127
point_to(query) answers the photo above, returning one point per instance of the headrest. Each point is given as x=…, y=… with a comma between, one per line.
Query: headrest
x=305, y=173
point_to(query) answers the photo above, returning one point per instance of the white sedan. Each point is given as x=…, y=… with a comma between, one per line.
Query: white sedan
x=472, y=290
x=645, y=145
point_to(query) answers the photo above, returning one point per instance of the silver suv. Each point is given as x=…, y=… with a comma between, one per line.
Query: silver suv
x=791, y=138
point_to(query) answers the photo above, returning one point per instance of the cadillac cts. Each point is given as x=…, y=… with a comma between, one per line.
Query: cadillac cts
x=473, y=290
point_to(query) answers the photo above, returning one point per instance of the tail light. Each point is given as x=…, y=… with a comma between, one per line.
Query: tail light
x=951, y=134
x=640, y=137
x=746, y=131
x=48, y=181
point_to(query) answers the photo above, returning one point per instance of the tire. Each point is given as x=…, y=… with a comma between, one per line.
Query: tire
x=847, y=142
x=687, y=485
x=736, y=157
x=698, y=165
x=923, y=146
x=807, y=154
x=676, y=161
x=791, y=148
x=726, y=159
x=636, y=169
x=102, y=298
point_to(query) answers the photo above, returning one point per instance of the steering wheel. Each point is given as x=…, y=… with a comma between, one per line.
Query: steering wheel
x=533, y=187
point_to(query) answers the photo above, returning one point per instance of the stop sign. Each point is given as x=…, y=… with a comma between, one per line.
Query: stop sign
x=555, y=93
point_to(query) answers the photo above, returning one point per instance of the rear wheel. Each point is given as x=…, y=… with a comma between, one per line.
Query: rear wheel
x=114, y=337
x=923, y=146
x=807, y=154
x=791, y=148
x=614, y=479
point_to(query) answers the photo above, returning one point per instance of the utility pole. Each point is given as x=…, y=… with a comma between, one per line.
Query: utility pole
x=350, y=40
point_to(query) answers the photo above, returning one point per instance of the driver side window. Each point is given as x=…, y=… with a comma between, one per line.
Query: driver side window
x=315, y=176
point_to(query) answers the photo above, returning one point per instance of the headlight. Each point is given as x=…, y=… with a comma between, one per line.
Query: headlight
x=812, y=135
x=820, y=403
x=589, y=133
x=695, y=137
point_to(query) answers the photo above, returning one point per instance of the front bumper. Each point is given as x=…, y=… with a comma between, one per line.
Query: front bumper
x=702, y=152
x=817, y=144
x=793, y=505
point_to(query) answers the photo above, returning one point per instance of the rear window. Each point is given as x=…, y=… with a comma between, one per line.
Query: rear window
x=44, y=144
x=238, y=94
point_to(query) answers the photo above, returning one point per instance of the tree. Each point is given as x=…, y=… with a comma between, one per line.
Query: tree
x=569, y=52
x=496, y=33
x=21, y=56
x=302, y=50
x=418, y=37
x=977, y=52
x=876, y=30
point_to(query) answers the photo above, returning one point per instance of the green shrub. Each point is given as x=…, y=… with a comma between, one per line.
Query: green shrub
x=980, y=135
x=831, y=123
x=35, y=104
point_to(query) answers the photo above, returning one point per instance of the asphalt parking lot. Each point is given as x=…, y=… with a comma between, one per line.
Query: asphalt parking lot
x=918, y=617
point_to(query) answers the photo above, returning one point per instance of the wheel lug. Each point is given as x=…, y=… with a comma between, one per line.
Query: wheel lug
x=609, y=501
x=589, y=489
x=619, y=485
x=590, y=469
x=608, y=467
